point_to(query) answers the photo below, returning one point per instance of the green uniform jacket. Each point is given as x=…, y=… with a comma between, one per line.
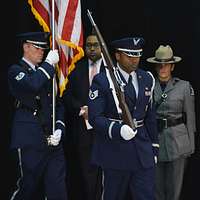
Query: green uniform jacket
x=176, y=141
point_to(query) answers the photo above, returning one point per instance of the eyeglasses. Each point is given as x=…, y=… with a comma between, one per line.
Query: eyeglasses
x=94, y=45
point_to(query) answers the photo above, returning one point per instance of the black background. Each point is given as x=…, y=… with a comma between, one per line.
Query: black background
x=173, y=22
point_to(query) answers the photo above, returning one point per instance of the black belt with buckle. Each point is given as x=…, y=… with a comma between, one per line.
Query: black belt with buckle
x=163, y=123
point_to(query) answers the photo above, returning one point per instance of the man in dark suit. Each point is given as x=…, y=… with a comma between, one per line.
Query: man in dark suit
x=127, y=156
x=40, y=152
x=84, y=179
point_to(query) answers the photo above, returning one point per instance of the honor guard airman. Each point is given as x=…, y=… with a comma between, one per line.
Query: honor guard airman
x=40, y=152
x=126, y=155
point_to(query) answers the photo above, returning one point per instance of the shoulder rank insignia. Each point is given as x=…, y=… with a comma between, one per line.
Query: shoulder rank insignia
x=20, y=76
x=93, y=95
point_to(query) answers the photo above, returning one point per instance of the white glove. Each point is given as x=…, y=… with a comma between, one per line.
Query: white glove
x=56, y=137
x=155, y=159
x=127, y=132
x=52, y=57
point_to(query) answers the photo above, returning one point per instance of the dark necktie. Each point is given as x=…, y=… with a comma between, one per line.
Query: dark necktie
x=163, y=85
x=130, y=93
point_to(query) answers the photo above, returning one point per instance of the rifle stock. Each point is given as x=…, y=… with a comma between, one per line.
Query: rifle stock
x=125, y=115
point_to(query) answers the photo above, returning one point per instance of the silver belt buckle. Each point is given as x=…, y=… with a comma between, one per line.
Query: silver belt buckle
x=138, y=123
x=165, y=122
x=135, y=122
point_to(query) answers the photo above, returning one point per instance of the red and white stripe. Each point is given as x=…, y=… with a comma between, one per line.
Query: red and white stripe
x=68, y=32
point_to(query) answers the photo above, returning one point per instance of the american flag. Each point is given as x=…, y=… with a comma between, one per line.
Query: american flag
x=68, y=32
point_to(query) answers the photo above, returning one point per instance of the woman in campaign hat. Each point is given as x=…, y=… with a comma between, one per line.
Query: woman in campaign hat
x=164, y=54
x=174, y=99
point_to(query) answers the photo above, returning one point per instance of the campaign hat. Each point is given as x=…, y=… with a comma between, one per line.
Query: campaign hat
x=164, y=54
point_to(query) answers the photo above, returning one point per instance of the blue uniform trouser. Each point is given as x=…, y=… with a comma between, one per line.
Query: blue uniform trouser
x=47, y=166
x=141, y=184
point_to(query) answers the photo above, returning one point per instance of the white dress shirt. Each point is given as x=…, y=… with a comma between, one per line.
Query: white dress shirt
x=98, y=65
x=29, y=63
x=134, y=79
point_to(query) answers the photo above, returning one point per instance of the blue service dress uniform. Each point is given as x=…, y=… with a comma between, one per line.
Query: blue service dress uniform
x=131, y=160
x=32, y=123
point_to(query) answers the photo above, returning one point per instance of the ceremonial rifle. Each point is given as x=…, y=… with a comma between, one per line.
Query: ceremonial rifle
x=125, y=114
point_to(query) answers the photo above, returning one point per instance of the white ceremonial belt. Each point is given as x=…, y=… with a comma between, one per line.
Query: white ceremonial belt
x=116, y=120
x=137, y=123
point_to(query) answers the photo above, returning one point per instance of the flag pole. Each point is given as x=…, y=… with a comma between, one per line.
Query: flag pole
x=53, y=47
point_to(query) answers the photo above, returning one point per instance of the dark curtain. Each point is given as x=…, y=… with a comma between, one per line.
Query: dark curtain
x=174, y=22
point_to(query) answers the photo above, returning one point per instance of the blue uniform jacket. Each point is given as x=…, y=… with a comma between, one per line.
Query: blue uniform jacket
x=110, y=149
x=26, y=85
